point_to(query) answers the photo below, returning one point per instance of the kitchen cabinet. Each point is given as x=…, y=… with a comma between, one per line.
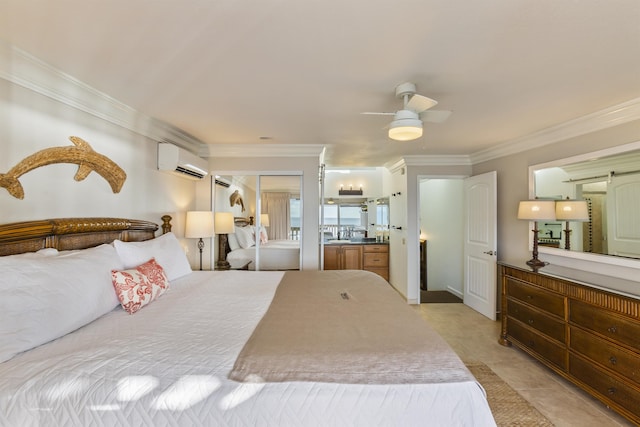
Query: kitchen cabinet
x=343, y=257
x=370, y=257
x=376, y=259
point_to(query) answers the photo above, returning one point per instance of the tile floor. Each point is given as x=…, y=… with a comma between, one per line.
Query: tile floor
x=475, y=338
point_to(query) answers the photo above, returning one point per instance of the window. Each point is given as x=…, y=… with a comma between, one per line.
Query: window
x=344, y=220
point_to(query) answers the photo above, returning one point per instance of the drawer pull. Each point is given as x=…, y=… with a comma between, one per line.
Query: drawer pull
x=532, y=343
x=613, y=360
x=531, y=321
x=612, y=329
x=529, y=296
x=611, y=391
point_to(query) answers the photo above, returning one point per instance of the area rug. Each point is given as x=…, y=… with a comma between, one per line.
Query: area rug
x=427, y=297
x=507, y=406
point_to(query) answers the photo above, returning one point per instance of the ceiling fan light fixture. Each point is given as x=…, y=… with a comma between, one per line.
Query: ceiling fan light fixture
x=406, y=126
x=405, y=132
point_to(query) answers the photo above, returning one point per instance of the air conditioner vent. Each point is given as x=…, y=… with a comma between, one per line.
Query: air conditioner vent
x=222, y=183
x=190, y=172
x=179, y=161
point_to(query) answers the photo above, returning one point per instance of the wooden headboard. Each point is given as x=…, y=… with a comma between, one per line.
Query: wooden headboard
x=71, y=233
x=241, y=221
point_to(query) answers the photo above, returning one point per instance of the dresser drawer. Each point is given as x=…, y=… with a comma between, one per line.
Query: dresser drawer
x=544, y=347
x=548, y=301
x=550, y=326
x=617, y=328
x=606, y=353
x=376, y=248
x=372, y=259
x=384, y=272
x=606, y=385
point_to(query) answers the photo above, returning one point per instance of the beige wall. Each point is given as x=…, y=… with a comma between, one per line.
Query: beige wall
x=30, y=122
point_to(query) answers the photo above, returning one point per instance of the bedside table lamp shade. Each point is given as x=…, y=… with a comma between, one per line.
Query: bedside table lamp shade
x=199, y=225
x=536, y=210
x=224, y=224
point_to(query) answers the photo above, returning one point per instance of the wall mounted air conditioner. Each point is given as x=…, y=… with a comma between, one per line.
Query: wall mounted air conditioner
x=179, y=161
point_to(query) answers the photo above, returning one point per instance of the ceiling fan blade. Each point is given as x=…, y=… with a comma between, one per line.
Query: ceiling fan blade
x=375, y=113
x=419, y=103
x=435, y=116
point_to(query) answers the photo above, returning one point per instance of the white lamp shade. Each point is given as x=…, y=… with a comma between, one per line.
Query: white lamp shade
x=572, y=210
x=224, y=223
x=199, y=224
x=536, y=210
x=406, y=126
x=264, y=220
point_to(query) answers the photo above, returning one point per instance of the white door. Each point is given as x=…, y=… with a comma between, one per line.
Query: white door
x=480, y=287
x=623, y=199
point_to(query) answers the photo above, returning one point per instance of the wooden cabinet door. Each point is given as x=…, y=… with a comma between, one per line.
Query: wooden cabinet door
x=352, y=257
x=332, y=257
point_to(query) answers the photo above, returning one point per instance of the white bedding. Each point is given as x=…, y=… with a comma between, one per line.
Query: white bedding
x=133, y=370
x=274, y=255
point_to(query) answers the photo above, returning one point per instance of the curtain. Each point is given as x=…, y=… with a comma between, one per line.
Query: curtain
x=277, y=206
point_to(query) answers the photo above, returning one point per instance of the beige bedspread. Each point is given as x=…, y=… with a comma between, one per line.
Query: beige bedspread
x=344, y=327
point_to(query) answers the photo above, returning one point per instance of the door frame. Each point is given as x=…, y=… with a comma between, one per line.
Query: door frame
x=419, y=178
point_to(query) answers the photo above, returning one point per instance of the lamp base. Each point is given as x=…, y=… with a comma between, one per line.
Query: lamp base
x=223, y=265
x=535, y=262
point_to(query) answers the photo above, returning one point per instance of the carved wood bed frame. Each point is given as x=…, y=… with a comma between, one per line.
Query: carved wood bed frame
x=71, y=233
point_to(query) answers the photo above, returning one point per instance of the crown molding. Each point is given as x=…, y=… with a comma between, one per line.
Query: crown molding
x=27, y=71
x=599, y=120
x=437, y=160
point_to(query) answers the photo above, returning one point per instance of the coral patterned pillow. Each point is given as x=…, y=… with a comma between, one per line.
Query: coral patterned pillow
x=139, y=286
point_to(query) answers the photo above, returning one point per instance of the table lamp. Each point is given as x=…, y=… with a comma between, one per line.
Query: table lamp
x=199, y=225
x=224, y=224
x=536, y=210
x=264, y=220
x=571, y=210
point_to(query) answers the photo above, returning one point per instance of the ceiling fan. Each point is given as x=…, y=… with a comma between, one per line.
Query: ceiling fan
x=407, y=123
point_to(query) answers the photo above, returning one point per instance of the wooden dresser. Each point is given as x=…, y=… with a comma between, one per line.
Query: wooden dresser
x=588, y=335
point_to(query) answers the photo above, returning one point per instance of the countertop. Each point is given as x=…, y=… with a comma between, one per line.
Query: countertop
x=353, y=242
x=629, y=288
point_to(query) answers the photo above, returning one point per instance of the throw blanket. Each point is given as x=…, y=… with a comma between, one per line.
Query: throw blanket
x=344, y=327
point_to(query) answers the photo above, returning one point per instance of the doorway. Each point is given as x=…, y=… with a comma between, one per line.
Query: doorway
x=471, y=211
x=442, y=237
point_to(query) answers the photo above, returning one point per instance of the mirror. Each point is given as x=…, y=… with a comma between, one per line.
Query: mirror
x=609, y=180
x=267, y=211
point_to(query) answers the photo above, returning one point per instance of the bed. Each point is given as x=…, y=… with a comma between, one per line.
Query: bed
x=170, y=362
x=277, y=254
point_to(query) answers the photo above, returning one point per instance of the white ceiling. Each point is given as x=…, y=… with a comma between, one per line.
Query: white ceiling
x=301, y=72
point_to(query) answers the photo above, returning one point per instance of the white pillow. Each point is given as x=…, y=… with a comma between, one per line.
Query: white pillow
x=165, y=249
x=233, y=242
x=46, y=252
x=245, y=237
x=46, y=297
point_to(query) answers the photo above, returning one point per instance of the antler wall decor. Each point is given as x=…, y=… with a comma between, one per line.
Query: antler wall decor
x=80, y=154
x=236, y=199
